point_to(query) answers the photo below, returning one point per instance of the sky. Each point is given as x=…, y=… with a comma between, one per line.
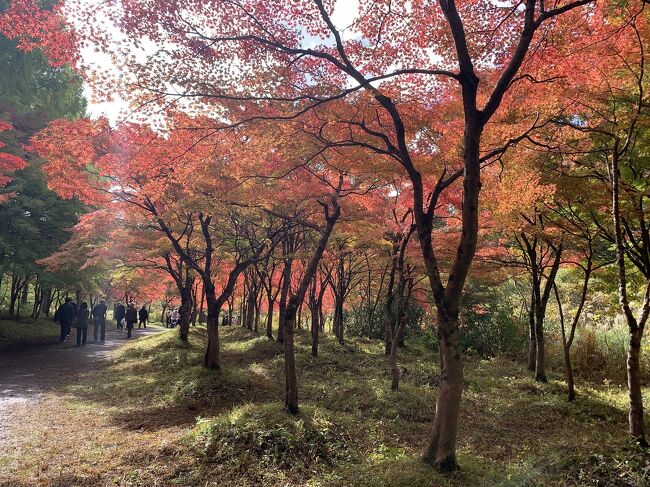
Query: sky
x=344, y=13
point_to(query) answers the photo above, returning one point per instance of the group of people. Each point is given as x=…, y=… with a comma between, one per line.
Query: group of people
x=172, y=317
x=126, y=317
x=70, y=315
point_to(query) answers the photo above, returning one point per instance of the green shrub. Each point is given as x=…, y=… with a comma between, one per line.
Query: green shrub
x=357, y=323
x=488, y=324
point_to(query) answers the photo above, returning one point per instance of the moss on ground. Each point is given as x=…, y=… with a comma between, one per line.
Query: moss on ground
x=157, y=417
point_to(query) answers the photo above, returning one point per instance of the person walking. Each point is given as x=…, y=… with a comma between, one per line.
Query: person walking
x=120, y=313
x=168, y=319
x=131, y=318
x=82, y=323
x=99, y=321
x=65, y=316
x=143, y=316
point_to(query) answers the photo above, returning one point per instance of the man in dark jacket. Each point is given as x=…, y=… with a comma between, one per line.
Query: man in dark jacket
x=99, y=320
x=82, y=323
x=119, y=315
x=65, y=314
x=131, y=318
x=143, y=316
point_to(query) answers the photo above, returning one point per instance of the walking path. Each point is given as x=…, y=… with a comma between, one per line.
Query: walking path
x=27, y=372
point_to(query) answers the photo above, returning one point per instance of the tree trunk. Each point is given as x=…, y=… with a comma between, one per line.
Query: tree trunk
x=163, y=315
x=212, y=352
x=289, y=318
x=388, y=320
x=13, y=294
x=532, y=342
x=38, y=298
x=540, y=356
x=315, y=326
x=636, y=417
x=269, y=319
x=47, y=301
x=195, y=305
x=258, y=310
x=569, y=375
x=290, y=376
x=185, y=311
x=441, y=448
x=24, y=293
x=250, y=309
x=201, y=313
x=284, y=295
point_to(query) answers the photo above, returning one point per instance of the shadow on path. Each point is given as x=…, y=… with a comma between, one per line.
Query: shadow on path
x=26, y=372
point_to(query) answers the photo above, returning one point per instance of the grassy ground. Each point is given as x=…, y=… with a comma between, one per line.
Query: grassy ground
x=156, y=417
x=27, y=331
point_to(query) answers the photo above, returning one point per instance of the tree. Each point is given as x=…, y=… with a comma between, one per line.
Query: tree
x=271, y=44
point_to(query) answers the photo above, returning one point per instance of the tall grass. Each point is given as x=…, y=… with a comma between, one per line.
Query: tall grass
x=599, y=355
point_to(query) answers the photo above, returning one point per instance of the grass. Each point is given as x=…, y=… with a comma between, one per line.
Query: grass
x=17, y=332
x=155, y=416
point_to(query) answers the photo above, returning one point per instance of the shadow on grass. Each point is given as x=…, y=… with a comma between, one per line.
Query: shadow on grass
x=160, y=382
x=513, y=430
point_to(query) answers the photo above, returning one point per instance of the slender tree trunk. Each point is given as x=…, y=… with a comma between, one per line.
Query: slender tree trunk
x=195, y=305
x=162, y=315
x=571, y=394
x=321, y=315
x=289, y=318
x=269, y=318
x=185, y=311
x=24, y=293
x=315, y=325
x=313, y=308
x=540, y=355
x=388, y=313
x=231, y=307
x=636, y=415
x=37, y=300
x=284, y=295
x=13, y=294
x=258, y=309
x=201, y=312
x=392, y=358
x=250, y=309
x=532, y=341
x=291, y=378
x=299, y=320
x=540, y=358
x=212, y=352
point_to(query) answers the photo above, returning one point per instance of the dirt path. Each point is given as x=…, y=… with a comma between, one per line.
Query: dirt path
x=27, y=373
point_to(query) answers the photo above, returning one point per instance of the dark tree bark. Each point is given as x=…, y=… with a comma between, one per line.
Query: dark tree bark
x=332, y=213
x=404, y=285
x=313, y=309
x=403, y=298
x=532, y=343
x=288, y=247
x=185, y=310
